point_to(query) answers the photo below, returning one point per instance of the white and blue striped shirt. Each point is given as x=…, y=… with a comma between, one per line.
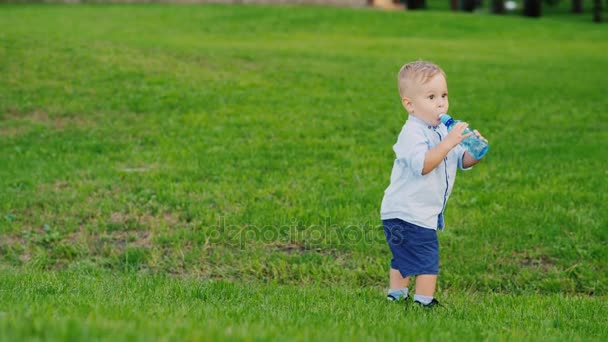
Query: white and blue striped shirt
x=412, y=197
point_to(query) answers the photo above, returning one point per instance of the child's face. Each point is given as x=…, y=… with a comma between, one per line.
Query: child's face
x=428, y=100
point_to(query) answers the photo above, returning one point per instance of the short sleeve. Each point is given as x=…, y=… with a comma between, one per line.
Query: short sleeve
x=411, y=148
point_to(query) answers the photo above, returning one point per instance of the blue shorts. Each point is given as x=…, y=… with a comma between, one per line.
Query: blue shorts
x=415, y=249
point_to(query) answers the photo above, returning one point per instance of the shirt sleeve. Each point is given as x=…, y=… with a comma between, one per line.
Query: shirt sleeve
x=460, y=152
x=411, y=148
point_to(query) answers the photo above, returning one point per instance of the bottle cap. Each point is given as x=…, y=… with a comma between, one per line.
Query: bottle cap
x=446, y=119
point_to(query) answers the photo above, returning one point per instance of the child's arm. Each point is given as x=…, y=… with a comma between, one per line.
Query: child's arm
x=467, y=159
x=435, y=156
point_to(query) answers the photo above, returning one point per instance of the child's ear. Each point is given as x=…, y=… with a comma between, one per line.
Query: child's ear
x=407, y=103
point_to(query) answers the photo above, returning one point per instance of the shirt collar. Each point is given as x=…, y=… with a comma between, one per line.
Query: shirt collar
x=420, y=122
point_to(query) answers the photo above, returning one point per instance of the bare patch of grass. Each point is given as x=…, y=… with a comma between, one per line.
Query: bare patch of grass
x=536, y=261
x=17, y=123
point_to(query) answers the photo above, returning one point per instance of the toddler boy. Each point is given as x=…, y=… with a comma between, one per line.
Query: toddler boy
x=421, y=181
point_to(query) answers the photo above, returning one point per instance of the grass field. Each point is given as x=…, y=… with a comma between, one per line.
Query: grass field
x=201, y=172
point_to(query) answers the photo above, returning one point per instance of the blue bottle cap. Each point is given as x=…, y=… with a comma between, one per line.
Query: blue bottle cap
x=446, y=119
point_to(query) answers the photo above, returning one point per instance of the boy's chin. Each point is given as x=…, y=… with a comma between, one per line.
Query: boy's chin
x=433, y=121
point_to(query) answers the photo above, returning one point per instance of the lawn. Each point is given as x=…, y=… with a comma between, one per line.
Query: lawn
x=214, y=171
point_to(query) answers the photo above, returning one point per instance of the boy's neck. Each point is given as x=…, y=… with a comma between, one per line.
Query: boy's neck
x=416, y=118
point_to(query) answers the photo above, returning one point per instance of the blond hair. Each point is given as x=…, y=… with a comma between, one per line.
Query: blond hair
x=419, y=72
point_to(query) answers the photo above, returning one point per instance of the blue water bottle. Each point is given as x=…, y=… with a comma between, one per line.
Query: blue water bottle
x=477, y=147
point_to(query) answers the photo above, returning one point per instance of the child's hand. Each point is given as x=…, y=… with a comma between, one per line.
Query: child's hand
x=455, y=136
x=480, y=136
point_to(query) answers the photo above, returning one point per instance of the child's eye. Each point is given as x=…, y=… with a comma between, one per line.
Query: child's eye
x=431, y=97
x=444, y=95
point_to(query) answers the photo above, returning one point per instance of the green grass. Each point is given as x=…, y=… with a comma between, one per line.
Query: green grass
x=252, y=144
x=128, y=307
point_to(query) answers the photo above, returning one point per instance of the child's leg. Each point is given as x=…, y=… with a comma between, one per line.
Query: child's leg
x=398, y=289
x=425, y=284
x=397, y=281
